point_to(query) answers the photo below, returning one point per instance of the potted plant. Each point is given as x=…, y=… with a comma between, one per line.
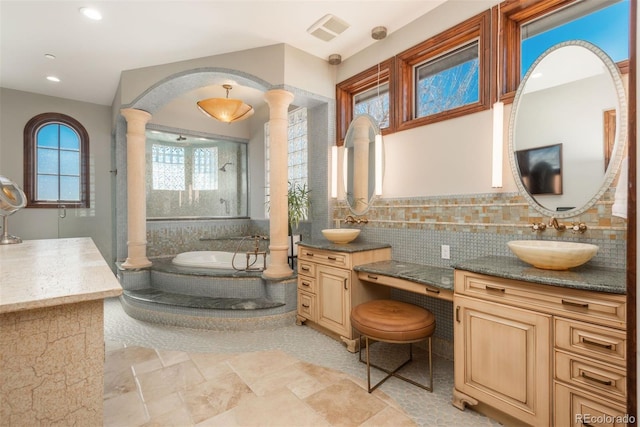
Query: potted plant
x=298, y=210
x=298, y=202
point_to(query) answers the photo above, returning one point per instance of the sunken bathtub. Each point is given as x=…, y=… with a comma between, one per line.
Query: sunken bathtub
x=202, y=289
x=221, y=260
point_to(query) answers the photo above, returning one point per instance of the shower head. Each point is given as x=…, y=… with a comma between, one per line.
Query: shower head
x=224, y=167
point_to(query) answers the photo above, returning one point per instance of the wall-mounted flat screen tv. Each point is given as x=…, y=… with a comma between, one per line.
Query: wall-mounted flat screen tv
x=541, y=169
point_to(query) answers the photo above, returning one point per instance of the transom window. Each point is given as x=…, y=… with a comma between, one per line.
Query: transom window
x=369, y=92
x=445, y=76
x=529, y=29
x=605, y=23
x=374, y=102
x=56, y=150
x=447, y=82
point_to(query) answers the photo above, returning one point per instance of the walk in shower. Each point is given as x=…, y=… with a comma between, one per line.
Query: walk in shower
x=190, y=177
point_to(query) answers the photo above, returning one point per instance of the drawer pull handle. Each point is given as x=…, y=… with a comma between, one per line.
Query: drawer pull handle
x=434, y=291
x=345, y=285
x=332, y=258
x=308, y=253
x=494, y=288
x=599, y=381
x=597, y=344
x=304, y=268
x=458, y=314
x=305, y=305
x=306, y=284
x=372, y=277
x=575, y=303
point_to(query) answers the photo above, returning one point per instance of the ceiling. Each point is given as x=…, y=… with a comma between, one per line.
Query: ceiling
x=90, y=55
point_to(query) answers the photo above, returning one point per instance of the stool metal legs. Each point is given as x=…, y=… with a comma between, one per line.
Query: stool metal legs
x=393, y=373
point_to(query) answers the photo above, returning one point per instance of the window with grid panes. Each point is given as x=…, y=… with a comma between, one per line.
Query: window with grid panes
x=56, y=171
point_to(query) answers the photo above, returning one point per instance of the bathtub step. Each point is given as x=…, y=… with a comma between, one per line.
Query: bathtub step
x=180, y=300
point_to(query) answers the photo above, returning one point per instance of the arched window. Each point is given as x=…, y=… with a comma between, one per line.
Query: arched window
x=56, y=162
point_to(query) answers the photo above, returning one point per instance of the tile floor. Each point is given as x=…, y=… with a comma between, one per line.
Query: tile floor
x=159, y=375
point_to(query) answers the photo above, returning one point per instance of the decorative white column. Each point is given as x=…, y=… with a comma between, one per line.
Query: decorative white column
x=136, y=189
x=278, y=100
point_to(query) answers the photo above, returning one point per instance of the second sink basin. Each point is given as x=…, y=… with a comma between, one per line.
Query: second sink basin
x=552, y=254
x=340, y=235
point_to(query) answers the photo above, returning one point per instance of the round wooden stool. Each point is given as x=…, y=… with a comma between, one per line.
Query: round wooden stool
x=393, y=322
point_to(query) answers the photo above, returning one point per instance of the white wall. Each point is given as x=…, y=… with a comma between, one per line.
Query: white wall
x=449, y=157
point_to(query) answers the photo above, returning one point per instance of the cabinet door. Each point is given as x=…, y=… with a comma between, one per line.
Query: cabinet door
x=333, y=292
x=577, y=408
x=502, y=358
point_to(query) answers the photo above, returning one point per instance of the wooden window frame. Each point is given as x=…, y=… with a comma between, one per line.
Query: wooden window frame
x=513, y=15
x=475, y=28
x=348, y=89
x=30, y=164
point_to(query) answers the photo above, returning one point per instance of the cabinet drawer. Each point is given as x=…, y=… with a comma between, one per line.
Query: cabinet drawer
x=597, y=307
x=306, y=268
x=307, y=284
x=590, y=340
x=337, y=259
x=591, y=375
x=307, y=305
x=577, y=408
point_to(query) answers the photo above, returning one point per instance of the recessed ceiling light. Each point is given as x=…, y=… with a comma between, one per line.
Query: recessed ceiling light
x=53, y=79
x=91, y=13
x=49, y=56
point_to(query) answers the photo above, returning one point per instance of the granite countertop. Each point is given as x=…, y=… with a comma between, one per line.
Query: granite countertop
x=52, y=272
x=438, y=277
x=355, y=246
x=585, y=277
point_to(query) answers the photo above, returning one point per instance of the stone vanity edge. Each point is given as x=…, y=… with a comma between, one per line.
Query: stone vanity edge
x=438, y=277
x=352, y=247
x=586, y=277
x=53, y=272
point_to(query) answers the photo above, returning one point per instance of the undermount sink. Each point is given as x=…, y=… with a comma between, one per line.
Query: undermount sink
x=552, y=254
x=340, y=235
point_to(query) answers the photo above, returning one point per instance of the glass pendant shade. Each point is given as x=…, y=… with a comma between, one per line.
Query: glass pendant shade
x=225, y=109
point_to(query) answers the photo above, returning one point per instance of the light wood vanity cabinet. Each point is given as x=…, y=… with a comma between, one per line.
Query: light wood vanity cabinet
x=540, y=355
x=328, y=288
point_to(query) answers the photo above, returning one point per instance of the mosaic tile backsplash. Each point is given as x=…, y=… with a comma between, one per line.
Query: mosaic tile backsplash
x=481, y=224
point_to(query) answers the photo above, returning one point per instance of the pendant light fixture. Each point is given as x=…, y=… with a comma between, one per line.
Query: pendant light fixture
x=227, y=109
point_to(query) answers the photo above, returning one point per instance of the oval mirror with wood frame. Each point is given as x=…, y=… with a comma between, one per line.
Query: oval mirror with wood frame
x=568, y=129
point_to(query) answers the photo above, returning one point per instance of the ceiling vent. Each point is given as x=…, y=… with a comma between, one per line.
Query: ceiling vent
x=327, y=27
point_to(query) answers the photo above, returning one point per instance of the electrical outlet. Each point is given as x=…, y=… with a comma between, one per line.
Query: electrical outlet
x=445, y=252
